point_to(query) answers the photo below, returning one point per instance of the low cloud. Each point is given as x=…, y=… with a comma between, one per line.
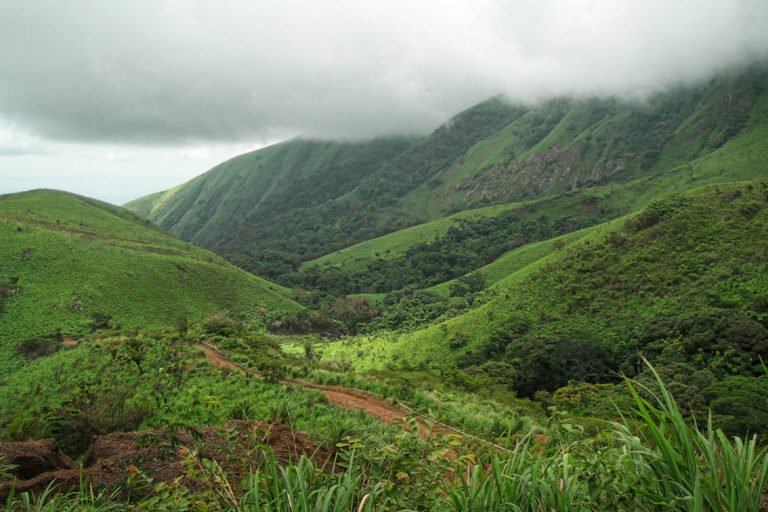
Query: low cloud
x=178, y=72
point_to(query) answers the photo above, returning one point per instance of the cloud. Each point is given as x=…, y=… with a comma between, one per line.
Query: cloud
x=179, y=72
x=14, y=142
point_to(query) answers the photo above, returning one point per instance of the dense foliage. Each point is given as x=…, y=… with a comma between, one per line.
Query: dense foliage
x=659, y=462
x=598, y=346
x=682, y=282
x=466, y=246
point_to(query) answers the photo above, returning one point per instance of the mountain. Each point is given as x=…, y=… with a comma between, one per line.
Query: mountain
x=263, y=185
x=272, y=210
x=431, y=253
x=683, y=282
x=536, y=277
x=66, y=261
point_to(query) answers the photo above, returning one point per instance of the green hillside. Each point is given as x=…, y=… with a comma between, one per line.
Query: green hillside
x=64, y=258
x=683, y=282
x=473, y=239
x=517, y=259
x=570, y=144
x=262, y=185
x=274, y=210
x=396, y=244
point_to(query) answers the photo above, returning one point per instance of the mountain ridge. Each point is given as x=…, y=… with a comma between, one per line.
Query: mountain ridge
x=494, y=153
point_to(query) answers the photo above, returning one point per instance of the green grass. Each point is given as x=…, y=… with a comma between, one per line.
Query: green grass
x=741, y=158
x=66, y=396
x=596, y=289
x=654, y=462
x=218, y=204
x=73, y=256
x=520, y=258
x=396, y=244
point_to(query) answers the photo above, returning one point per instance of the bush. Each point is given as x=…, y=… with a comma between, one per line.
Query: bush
x=220, y=324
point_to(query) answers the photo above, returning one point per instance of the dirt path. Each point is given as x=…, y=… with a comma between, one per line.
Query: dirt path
x=68, y=341
x=219, y=360
x=344, y=398
x=353, y=399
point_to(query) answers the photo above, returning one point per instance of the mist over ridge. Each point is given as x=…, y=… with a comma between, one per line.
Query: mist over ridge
x=178, y=73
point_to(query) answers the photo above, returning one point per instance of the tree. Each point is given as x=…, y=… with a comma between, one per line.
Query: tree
x=309, y=352
x=100, y=321
x=740, y=405
x=134, y=350
x=549, y=364
x=468, y=284
x=182, y=324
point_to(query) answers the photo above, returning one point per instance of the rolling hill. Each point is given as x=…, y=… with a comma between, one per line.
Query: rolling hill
x=66, y=259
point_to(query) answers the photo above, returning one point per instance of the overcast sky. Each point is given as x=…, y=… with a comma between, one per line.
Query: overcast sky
x=116, y=99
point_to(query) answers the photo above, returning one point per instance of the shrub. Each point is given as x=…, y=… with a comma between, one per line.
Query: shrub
x=220, y=324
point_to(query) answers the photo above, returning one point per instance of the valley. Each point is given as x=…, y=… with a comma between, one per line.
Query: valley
x=557, y=305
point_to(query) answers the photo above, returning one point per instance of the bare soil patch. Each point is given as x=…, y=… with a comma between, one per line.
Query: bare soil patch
x=237, y=446
x=69, y=341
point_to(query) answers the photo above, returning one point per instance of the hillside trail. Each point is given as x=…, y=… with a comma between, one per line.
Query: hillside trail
x=68, y=341
x=342, y=397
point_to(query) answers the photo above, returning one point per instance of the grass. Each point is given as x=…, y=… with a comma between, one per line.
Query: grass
x=518, y=259
x=651, y=460
x=176, y=387
x=397, y=244
x=72, y=257
x=711, y=261
x=689, y=470
x=268, y=180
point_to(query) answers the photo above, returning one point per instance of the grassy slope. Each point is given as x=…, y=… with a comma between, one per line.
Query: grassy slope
x=74, y=256
x=144, y=206
x=520, y=258
x=741, y=158
x=567, y=144
x=396, y=244
x=262, y=183
x=610, y=283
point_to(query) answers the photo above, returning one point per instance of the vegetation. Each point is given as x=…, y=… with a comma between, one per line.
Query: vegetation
x=493, y=153
x=658, y=462
x=576, y=317
x=70, y=264
x=585, y=312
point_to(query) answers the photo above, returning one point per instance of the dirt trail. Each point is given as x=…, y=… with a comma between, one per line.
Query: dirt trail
x=219, y=360
x=341, y=397
x=68, y=341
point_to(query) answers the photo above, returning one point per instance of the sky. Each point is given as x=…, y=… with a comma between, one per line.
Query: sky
x=122, y=98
